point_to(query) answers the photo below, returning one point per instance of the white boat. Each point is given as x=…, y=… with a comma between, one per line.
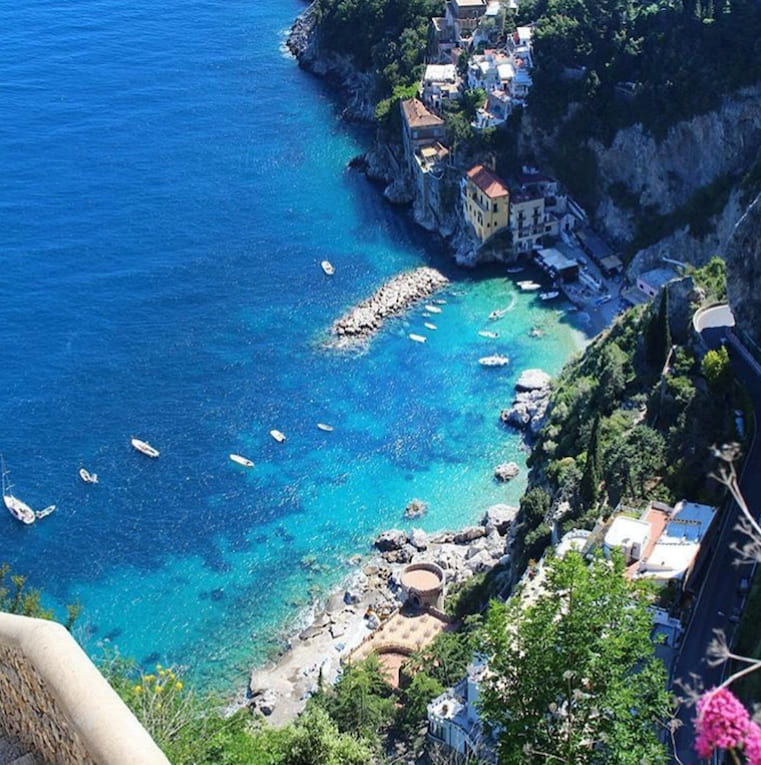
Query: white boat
x=16, y=507
x=529, y=286
x=487, y=333
x=327, y=267
x=428, y=325
x=432, y=308
x=326, y=428
x=514, y=269
x=44, y=512
x=440, y=301
x=498, y=314
x=549, y=295
x=418, y=338
x=87, y=476
x=144, y=447
x=241, y=460
x=498, y=360
x=278, y=436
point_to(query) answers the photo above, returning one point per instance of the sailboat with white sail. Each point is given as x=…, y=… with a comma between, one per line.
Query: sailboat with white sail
x=18, y=508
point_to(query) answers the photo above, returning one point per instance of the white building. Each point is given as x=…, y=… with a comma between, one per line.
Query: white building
x=440, y=83
x=629, y=535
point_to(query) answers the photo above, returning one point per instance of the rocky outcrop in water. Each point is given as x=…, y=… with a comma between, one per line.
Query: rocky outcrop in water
x=529, y=406
x=394, y=297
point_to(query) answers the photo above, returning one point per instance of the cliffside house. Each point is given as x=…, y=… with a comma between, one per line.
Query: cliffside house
x=529, y=220
x=486, y=202
x=556, y=265
x=420, y=127
x=651, y=281
x=453, y=720
x=664, y=543
x=440, y=83
x=463, y=16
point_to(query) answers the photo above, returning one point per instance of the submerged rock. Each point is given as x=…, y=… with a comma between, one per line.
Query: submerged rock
x=416, y=509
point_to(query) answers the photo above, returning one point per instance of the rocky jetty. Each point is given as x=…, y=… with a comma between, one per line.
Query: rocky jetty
x=530, y=404
x=391, y=299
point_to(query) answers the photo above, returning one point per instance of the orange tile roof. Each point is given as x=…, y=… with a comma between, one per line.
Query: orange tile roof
x=488, y=182
x=418, y=116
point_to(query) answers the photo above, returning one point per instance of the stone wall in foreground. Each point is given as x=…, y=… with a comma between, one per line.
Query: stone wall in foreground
x=59, y=706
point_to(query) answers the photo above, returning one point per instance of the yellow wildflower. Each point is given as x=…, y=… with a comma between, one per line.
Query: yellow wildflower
x=159, y=688
x=162, y=672
x=138, y=689
x=178, y=685
x=149, y=678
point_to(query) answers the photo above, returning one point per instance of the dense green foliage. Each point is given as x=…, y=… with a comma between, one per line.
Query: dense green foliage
x=572, y=676
x=680, y=57
x=360, y=702
x=619, y=432
x=17, y=598
x=712, y=279
x=387, y=36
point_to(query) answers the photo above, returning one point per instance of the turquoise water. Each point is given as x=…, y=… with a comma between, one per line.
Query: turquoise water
x=172, y=181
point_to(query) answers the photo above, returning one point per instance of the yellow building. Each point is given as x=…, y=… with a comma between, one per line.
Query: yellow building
x=486, y=202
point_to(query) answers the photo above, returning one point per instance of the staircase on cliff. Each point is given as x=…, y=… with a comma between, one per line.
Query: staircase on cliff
x=12, y=753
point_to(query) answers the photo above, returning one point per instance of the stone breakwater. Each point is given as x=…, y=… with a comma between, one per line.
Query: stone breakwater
x=391, y=299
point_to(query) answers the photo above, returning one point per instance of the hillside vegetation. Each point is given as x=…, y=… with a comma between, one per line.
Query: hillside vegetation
x=632, y=419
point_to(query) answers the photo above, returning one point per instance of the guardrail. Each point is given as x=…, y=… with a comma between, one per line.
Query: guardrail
x=59, y=706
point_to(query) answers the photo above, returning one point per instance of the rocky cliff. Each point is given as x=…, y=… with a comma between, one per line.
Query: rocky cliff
x=743, y=256
x=304, y=42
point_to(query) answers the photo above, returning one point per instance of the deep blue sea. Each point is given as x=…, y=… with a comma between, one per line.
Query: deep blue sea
x=171, y=182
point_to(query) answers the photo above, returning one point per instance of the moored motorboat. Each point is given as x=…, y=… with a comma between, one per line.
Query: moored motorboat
x=327, y=267
x=487, y=333
x=432, y=308
x=417, y=338
x=87, y=476
x=498, y=314
x=514, y=269
x=326, y=428
x=549, y=294
x=144, y=447
x=428, y=325
x=241, y=460
x=45, y=512
x=278, y=436
x=497, y=360
x=529, y=286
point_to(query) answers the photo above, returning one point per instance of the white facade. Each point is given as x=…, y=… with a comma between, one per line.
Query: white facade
x=630, y=535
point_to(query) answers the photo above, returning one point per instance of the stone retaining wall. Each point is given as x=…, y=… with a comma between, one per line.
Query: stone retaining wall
x=59, y=706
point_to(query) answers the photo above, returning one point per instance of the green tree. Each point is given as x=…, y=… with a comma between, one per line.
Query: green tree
x=590, y=479
x=360, y=702
x=715, y=368
x=421, y=691
x=658, y=334
x=573, y=677
x=18, y=598
x=315, y=740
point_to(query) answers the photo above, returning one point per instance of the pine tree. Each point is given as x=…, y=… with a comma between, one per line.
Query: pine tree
x=590, y=480
x=658, y=334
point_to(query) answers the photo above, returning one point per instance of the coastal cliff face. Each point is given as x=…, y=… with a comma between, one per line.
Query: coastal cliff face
x=743, y=257
x=304, y=42
x=663, y=174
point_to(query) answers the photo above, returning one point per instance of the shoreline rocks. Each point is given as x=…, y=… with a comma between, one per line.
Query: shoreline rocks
x=391, y=299
x=529, y=406
x=506, y=471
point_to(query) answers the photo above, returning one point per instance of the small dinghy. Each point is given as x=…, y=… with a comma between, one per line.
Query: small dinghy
x=242, y=460
x=326, y=428
x=487, y=333
x=432, y=308
x=428, y=325
x=327, y=267
x=418, y=338
x=87, y=476
x=549, y=294
x=278, y=436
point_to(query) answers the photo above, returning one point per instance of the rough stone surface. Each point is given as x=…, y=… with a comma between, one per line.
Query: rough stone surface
x=393, y=539
x=743, y=256
x=499, y=517
x=468, y=534
x=506, y=471
x=415, y=509
x=418, y=539
x=532, y=379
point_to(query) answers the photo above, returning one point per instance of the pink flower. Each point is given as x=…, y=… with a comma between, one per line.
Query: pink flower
x=722, y=722
x=753, y=745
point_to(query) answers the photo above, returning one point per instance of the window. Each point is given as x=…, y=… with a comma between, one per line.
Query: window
x=495, y=207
